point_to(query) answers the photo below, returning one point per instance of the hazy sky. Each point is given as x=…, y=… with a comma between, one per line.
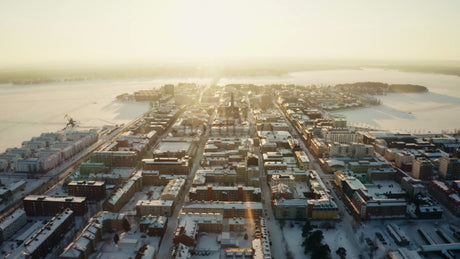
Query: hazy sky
x=108, y=30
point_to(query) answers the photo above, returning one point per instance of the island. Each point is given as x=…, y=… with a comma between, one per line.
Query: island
x=382, y=88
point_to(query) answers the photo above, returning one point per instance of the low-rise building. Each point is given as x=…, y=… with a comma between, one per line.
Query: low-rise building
x=123, y=194
x=221, y=176
x=341, y=135
x=190, y=224
x=115, y=158
x=224, y=193
x=41, y=243
x=175, y=147
x=412, y=186
x=92, y=168
x=339, y=150
x=364, y=205
x=302, y=160
x=173, y=189
x=295, y=209
x=300, y=209
x=363, y=166
x=86, y=242
x=154, y=207
x=318, y=147
x=445, y=195
x=227, y=209
x=275, y=166
x=11, y=223
x=89, y=189
x=153, y=225
x=378, y=174
x=166, y=165
x=41, y=205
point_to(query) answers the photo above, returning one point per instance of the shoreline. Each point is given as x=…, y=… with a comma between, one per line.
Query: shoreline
x=51, y=102
x=42, y=75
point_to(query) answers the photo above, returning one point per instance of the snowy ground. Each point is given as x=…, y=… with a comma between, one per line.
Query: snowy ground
x=300, y=189
x=209, y=242
x=130, y=206
x=107, y=249
x=31, y=184
x=58, y=190
x=335, y=238
x=369, y=230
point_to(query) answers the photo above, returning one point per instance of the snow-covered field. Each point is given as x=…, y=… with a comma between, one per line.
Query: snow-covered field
x=335, y=238
x=366, y=232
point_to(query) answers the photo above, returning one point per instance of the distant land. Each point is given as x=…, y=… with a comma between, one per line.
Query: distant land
x=446, y=70
x=272, y=67
x=393, y=88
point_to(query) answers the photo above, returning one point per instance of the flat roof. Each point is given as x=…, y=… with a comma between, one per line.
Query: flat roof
x=166, y=203
x=291, y=202
x=382, y=188
x=8, y=220
x=355, y=184
x=440, y=247
x=224, y=205
x=87, y=183
x=54, y=199
x=172, y=147
x=46, y=231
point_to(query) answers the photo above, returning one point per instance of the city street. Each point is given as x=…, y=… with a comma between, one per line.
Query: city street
x=167, y=240
x=347, y=222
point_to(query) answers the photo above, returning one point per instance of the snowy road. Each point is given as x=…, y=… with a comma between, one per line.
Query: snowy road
x=167, y=240
x=348, y=226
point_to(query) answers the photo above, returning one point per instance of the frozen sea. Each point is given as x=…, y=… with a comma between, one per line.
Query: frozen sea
x=28, y=110
x=436, y=111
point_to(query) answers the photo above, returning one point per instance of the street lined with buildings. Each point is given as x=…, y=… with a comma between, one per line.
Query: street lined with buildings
x=223, y=171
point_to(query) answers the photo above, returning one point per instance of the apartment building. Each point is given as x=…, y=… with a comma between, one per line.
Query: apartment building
x=41, y=205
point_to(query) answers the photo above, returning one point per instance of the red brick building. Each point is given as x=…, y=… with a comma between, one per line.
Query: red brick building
x=445, y=195
x=224, y=193
x=166, y=165
x=40, y=205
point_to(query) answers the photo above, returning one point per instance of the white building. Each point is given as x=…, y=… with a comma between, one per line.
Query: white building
x=342, y=135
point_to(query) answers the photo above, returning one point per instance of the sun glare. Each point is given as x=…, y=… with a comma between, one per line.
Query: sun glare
x=205, y=32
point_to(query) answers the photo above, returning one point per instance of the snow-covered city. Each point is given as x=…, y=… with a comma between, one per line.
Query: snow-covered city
x=234, y=171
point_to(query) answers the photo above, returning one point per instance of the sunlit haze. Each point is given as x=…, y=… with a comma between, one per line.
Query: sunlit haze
x=113, y=31
x=228, y=129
